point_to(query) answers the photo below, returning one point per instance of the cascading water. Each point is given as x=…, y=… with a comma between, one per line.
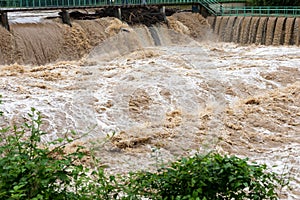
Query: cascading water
x=296, y=35
x=258, y=30
x=261, y=31
x=245, y=30
x=237, y=30
x=270, y=30
x=217, y=25
x=279, y=32
x=223, y=26
x=155, y=36
x=253, y=29
x=187, y=95
x=229, y=32
x=288, y=39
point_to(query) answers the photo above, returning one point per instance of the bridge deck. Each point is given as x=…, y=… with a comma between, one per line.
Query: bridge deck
x=20, y=9
x=214, y=7
x=12, y=5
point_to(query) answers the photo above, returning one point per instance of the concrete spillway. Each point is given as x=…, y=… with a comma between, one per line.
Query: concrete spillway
x=258, y=30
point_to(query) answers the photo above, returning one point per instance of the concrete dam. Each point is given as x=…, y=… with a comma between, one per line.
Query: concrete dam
x=257, y=30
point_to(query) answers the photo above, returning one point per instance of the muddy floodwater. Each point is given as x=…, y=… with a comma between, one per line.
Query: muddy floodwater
x=160, y=92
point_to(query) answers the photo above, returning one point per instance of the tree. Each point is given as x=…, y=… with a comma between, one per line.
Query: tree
x=274, y=3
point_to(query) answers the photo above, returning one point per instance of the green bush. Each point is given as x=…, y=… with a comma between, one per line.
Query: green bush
x=212, y=176
x=32, y=169
x=29, y=170
x=273, y=2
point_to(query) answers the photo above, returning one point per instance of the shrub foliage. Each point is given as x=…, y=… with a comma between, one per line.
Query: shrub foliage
x=273, y=2
x=210, y=176
x=32, y=169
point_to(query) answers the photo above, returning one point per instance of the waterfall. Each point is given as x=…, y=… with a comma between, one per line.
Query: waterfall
x=223, y=27
x=236, y=30
x=253, y=29
x=245, y=30
x=155, y=36
x=229, y=31
x=217, y=25
x=257, y=30
x=270, y=30
x=279, y=32
x=211, y=21
x=50, y=41
x=296, y=37
x=290, y=22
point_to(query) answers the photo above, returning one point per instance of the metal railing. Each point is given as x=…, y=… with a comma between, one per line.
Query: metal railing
x=51, y=3
x=232, y=1
x=213, y=6
x=276, y=11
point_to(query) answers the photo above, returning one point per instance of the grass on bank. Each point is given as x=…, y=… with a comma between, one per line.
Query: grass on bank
x=31, y=170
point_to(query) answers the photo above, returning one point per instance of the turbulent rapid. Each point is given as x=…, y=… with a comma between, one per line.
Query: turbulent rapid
x=161, y=92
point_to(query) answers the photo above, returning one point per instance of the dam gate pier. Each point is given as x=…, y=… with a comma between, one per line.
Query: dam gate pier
x=4, y=20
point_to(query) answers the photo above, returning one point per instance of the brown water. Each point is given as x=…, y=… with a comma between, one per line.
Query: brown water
x=237, y=30
x=290, y=23
x=258, y=30
x=253, y=30
x=229, y=32
x=186, y=95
